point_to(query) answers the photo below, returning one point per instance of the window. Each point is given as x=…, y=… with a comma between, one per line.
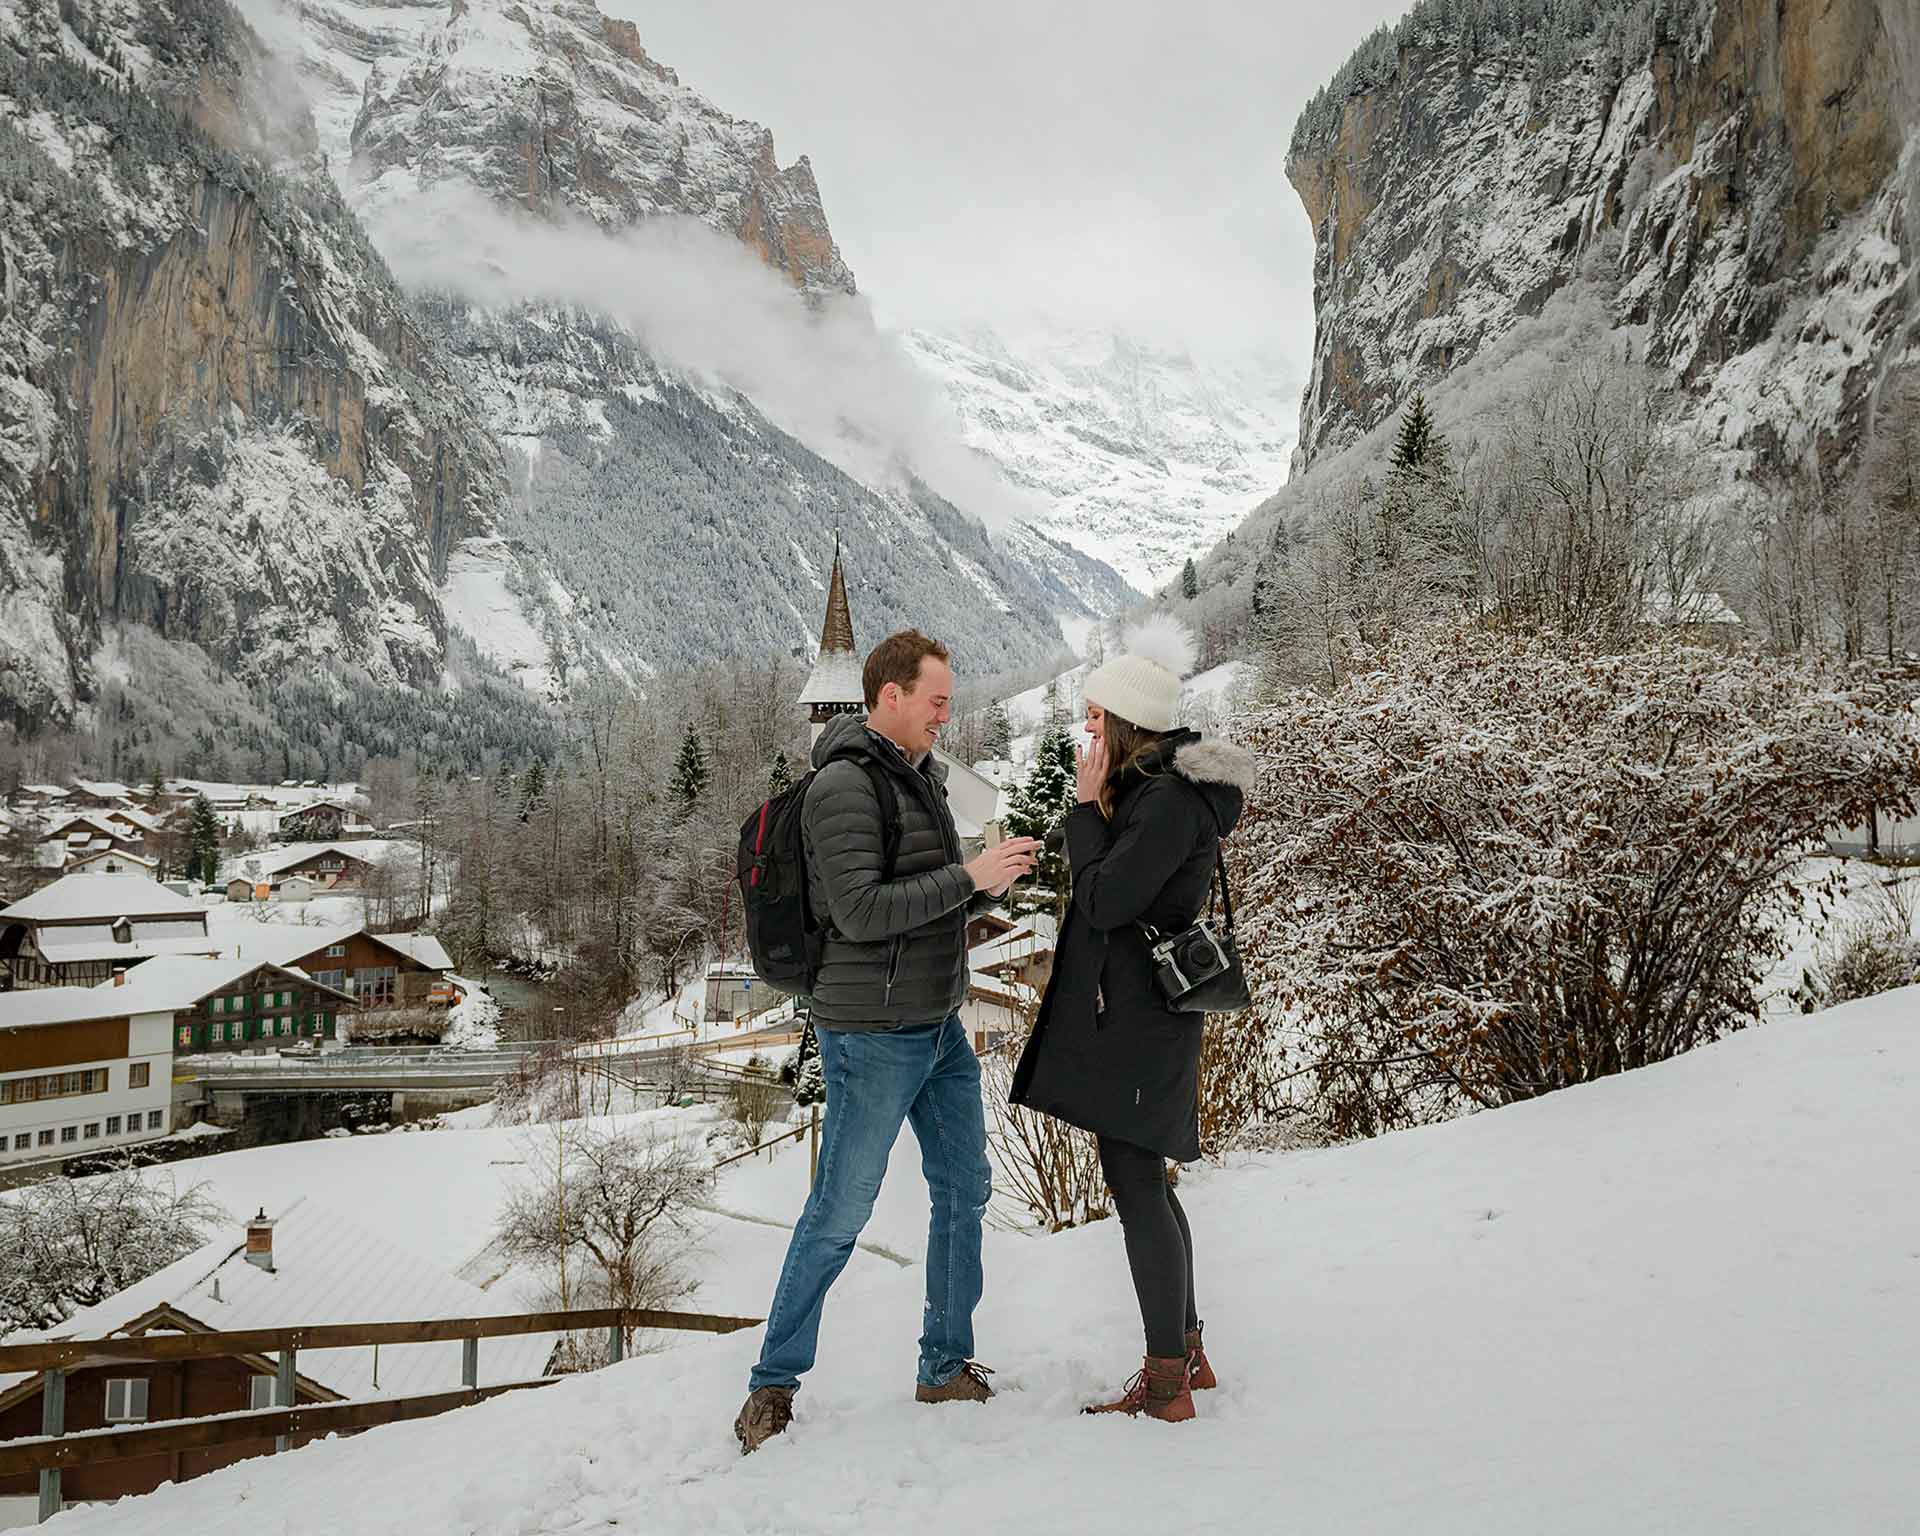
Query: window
x=113, y=1125
x=45, y=1139
x=335, y=979
x=69, y=1133
x=126, y=1400
x=23, y=1141
x=139, y=1074
x=53, y=1085
x=153, y=1119
x=218, y=1033
x=183, y=1036
x=335, y=951
x=92, y=1131
x=262, y=1392
x=376, y=985
x=218, y=1005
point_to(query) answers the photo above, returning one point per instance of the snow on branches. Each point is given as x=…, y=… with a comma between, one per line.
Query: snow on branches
x=1493, y=865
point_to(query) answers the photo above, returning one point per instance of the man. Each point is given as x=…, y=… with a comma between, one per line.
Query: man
x=893, y=970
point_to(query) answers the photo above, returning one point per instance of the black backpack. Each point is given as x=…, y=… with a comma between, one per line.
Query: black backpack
x=771, y=866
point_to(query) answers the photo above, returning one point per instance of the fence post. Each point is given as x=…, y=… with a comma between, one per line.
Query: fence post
x=813, y=1144
x=283, y=1394
x=469, y=1362
x=616, y=1344
x=53, y=1421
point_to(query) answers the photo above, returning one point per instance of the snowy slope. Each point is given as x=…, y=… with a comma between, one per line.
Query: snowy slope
x=1681, y=1300
x=1136, y=455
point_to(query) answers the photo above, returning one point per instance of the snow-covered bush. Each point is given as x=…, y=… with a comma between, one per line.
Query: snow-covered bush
x=68, y=1243
x=1494, y=864
x=1872, y=952
x=1051, y=1169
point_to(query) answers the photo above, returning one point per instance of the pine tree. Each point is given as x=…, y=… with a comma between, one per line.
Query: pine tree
x=533, y=788
x=1189, y=580
x=1420, y=449
x=689, y=779
x=203, y=842
x=1039, y=803
x=780, y=776
x=998, y=741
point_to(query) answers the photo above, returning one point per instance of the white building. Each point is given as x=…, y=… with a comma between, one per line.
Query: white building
x=79, y=1073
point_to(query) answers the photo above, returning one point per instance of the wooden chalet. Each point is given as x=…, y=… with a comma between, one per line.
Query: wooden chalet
x=400, y=981
x=322, y=821
x=311, y=1266
x=84, y=927
x=237, y=1005
x=321, y=866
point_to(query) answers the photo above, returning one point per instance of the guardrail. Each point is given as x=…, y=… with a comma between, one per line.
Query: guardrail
x=52, y=1451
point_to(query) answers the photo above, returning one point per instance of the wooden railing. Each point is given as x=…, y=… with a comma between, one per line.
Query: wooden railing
x=52, y=1450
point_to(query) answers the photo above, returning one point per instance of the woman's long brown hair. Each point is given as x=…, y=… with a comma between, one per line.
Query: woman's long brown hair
x=1127, y=743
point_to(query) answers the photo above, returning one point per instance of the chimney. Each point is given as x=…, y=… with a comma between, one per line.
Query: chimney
x=260, y=1241
x=119, y=975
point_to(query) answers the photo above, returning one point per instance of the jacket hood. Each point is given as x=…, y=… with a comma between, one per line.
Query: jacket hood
x=848, y=736
x=1222, y=772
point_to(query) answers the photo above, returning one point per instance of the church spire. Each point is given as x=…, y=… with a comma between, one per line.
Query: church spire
x=837, y=633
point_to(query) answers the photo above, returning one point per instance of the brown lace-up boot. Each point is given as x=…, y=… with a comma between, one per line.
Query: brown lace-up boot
x=1159, y=1389
x=766, y=1412
x=1199, y=1373
x=966, y=1385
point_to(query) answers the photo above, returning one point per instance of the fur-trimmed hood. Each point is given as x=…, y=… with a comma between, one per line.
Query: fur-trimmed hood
x=1222, y=772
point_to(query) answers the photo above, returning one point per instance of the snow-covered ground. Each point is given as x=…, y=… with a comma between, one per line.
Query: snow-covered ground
x=1686, y=1299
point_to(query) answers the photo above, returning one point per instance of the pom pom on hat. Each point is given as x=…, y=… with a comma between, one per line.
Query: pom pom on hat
x=1143, y=686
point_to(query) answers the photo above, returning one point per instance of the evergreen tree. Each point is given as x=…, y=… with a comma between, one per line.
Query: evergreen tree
x=689, y=779
x=1039, y=803
x=533, y=788
x=1420, y=449
x=1189, y=580
x=203, y=842
x=780, y=776
x=998, y=741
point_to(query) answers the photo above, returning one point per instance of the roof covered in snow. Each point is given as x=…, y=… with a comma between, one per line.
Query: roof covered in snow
x=104, y=789
x=835, y=679
x=103, y=896
x=423, y=947
x=174, y=983
x=325, y=1270
x=30, y=1006
x=371, y=850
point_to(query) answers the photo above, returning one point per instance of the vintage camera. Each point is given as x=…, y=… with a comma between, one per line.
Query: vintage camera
x=1184, y=962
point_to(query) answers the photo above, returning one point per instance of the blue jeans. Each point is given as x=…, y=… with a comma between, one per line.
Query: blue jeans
x=926, y=1074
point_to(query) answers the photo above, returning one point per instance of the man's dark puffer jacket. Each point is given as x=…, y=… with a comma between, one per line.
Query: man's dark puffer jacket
x=895, y=952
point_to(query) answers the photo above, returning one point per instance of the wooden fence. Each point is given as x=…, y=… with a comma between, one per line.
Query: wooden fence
x=52, y=1450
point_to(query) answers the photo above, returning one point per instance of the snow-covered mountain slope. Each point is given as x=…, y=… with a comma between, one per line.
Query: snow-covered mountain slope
x=546, y=105
x=1136, y=455
x=1732, y=183
x=216, y=415
x=1683, y=1299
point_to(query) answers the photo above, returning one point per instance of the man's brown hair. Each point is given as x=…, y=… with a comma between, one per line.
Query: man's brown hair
x=897, y=659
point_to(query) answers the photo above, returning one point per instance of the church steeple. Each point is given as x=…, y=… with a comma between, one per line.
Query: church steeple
x=835, y=686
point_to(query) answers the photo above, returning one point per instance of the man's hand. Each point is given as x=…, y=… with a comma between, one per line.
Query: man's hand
x=995, y=870
x=1090, y=769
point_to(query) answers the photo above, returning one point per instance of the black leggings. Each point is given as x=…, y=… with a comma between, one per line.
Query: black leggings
x=1159, y=1244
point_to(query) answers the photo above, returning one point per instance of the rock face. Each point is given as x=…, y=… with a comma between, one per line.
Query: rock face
x=217, y=416
x=550, y=106
x=1735, y=181
x=1139, y=456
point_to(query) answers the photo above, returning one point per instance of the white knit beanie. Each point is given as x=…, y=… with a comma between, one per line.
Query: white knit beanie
x=1143, y=686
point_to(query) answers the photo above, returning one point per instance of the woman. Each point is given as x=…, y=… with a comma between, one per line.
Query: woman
x=1107, y=1053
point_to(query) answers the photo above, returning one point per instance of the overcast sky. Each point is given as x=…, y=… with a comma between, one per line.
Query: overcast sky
x=1119, y=163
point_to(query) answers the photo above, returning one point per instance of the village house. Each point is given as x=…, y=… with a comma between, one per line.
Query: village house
x=310, y=1265
x=114, y=861
x=82, y=928
x=231, y=1004
x=97, y=794
x=1021, y=953
x=322, y=821
x=400, y=981
x=82, y=1069
x=321, y=866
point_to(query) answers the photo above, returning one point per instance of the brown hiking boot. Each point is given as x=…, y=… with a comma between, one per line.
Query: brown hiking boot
x=766, y=1412
x=1159, y=1389
x=966, y=1385
x=1200, y=1375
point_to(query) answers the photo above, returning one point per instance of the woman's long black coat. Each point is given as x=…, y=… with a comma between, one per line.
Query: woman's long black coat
x=1106, y=1053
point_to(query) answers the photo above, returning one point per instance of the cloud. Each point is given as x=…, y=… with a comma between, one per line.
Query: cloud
x=703, y=305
